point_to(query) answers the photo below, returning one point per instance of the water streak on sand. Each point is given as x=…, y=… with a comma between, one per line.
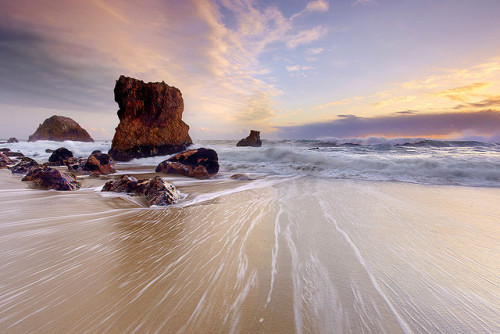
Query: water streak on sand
x=274, y=251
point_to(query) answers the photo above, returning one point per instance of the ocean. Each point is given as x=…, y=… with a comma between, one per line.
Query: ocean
x=297, y=236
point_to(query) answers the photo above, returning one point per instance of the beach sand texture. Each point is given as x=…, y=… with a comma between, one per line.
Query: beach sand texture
x=271, y=255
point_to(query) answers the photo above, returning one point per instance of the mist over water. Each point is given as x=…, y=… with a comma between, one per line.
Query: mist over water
x=295, y=236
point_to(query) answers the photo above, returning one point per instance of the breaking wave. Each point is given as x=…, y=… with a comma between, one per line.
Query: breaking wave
x=416, y=160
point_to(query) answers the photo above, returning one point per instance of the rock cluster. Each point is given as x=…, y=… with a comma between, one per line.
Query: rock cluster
x=60, y=128
x=156, y=191
x=200, y=163
x=51, y=178
x=253, y=139
x=150, y=120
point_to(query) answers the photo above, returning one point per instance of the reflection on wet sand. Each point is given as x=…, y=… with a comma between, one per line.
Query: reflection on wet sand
x=290, y=255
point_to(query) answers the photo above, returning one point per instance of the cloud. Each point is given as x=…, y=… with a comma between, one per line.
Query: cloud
x=315, y=51
x=463, y=92
x=317, y=6
x=68, y=55
x=311, y=7
x=307, y=36
x=490, y=102
x=296, y=68
x=364, y=2
x=451, y=125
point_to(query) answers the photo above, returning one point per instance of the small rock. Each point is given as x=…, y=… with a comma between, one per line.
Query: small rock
x=156, y=191
x=24, y=166
x=60, y=156
x=5, y=161
x=52, y=178
x=200, y=163
x=98, y=162
x=253, y=139
x=13, y=154
x=12, y=140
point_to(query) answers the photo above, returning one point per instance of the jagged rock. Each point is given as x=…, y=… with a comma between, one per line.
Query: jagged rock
x=150, y=120
x=5, y=161
x=156, y=191
x=24, y=166
x=98, y=162
x=200, y=163
x=60, y=156
x=60, y=128
x=12, y=140
x=52, y=178
x=253, y=139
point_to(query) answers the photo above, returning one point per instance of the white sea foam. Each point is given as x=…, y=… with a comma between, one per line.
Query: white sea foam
x=416, y=160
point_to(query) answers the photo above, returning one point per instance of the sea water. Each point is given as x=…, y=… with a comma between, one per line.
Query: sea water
x=327, y=236
x=415, y=160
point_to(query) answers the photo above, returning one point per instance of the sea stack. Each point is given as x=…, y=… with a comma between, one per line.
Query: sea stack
x=150, y=120
x=253, y=139
x=60, y=128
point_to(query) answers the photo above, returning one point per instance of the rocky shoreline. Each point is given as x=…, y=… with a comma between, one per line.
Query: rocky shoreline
x=63, y=171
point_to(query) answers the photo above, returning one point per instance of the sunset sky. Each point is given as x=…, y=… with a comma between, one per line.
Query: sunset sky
x=292, y=69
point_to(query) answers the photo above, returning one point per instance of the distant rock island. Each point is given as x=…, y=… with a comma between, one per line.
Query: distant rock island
x=60, y=128
x=253, y=139
x=150, y=120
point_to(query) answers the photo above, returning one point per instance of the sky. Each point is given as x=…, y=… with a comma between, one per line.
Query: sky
x=291, y=69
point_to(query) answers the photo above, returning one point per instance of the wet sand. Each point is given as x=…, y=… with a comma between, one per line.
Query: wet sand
x=273, y=254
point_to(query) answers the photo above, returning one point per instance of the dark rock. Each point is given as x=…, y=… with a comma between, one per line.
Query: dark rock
x=200, y=163
x=5, y=161
x=52, y=178
x=12, y=140
x=49, y=150
x=242, y=177
x=13, y=154
x=60, y=128
x=98, y=162
x=150, y=120
x=156, y=191
x=75, y=164
x=4, y=149
x=24, y=166
x=253, y=139
x=61, y=156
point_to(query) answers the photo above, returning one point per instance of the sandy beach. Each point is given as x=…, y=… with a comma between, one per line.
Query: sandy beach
x=271, y=254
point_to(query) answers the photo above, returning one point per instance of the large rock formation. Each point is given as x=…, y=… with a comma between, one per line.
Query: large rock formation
x=253, y=139
x=150, y=120
x=156, y=191
x=200, y=163
x=60, y=128
x=51, y=178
